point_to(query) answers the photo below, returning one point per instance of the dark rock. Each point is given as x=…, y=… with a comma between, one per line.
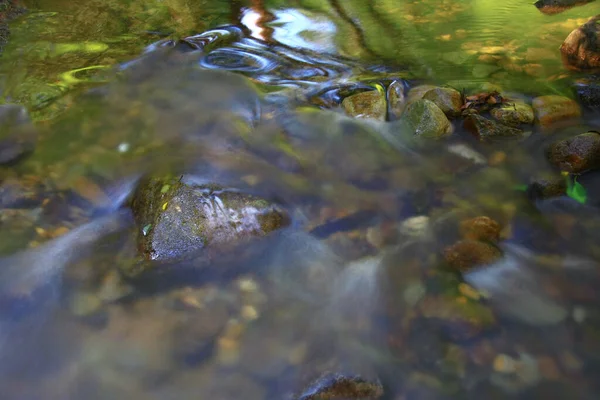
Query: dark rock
x=545, y=189
x=342, y=387
x=487, y=130
x=557, y=6
x=588, y=92
x=581, y=49
x=177, y=219
x=468, y=254
x=577, y=154
x=9, y=9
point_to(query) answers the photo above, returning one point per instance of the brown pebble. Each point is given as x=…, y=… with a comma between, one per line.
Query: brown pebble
x=548, y=368
x=480, y=228
x=467, y=254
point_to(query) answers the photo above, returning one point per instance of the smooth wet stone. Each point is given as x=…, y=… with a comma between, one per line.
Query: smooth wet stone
x=480, y=228
x=396, y=99
x=465, y=255
x=459, y=320
x=417, y=93
x=577, y=154
x=588, y=92
x=581, y=49
x=176, y=219
x=553, y=108
x=447, y=99
x=513, y=114
x=488, y=130
x=369, y=104
x=426, y=120
x=342, y=387
x=557, y=6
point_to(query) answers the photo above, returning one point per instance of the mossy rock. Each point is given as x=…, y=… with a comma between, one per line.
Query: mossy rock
x=176, y=219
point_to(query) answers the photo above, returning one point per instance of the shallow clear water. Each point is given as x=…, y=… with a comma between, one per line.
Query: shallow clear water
x=247, y=94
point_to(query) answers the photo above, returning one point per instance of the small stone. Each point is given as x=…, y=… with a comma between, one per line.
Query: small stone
x=247, y=285
x=458, y=319
x=83, y=304
x=579, y=314
x=426, y=120
x=570, y=362
x=447, y=99
x=488, y=130
x=469, y=291
x=342, y=387
x=581, y=49
x=415, y=226
x=497, y=158
x=505, y=364
x=548, y=368
x=466, y=152
x=577, y=154
x=513, y=114
x=468, y=254
x=413, y=293
x=480, y=228
x=553, y=108
x=228, y=351
x=249, y=313
x=396, y=99
x=369, y=104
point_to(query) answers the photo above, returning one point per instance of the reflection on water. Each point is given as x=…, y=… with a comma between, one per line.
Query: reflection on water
x=373, y=290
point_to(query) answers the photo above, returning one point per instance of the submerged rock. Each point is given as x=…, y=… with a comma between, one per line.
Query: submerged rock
x=396, y=99
x=458, y=320
x=576, y=154
x=581, y=49
x=417, y=93
x=447, y=99
x=557, y=6
x=342, y=387
x=513, y=114
x=369, y=104
x=487, y=130
x=17, y=137
x=427, y=120
x=480, y=228
x=588, y=92
x=176, y=219
x=468, y=254
x=553, y=108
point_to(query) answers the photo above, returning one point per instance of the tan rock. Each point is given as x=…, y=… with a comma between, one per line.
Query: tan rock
x=553, y=108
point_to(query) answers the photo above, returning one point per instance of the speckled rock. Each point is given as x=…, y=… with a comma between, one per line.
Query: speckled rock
x=371, y=105
x=576, y=154
x=588, y=92
x=176, y=219
x=581, y=49
x=467, y=254
x=457, y=319
x=486, y=130
x=513, y=114
x=426, y=120
x=552, y=108
x=480, y=228
x=342, y=387
x=447, y=99
x=551, y=7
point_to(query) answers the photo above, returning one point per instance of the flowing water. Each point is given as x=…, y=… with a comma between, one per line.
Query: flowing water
x=247, y=94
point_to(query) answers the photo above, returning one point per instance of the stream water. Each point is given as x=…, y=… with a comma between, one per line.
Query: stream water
x=357, y=288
